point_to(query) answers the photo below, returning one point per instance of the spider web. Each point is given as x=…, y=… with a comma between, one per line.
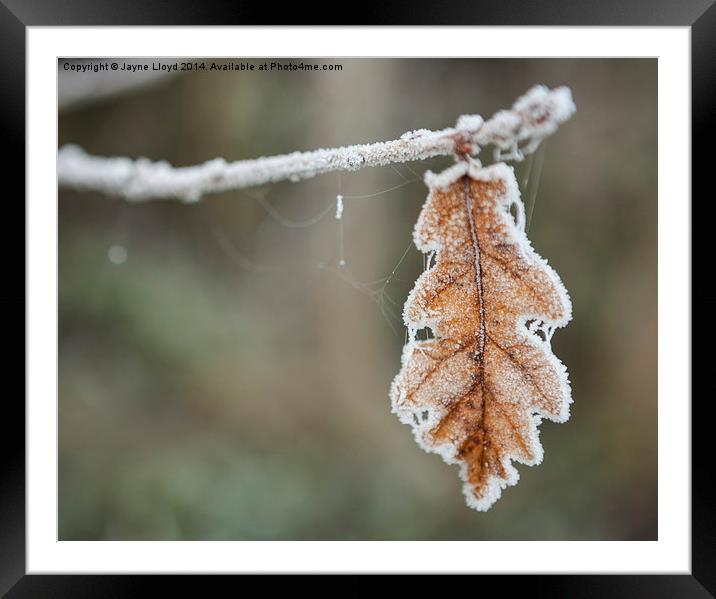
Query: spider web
x=381, y=290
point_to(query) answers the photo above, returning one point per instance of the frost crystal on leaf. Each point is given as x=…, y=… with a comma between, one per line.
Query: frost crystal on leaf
x=476, y=392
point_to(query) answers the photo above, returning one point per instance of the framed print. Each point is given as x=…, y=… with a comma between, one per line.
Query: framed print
x=360, y=298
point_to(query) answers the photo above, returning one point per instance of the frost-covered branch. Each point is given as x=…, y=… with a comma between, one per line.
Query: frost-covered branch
x=513, y=133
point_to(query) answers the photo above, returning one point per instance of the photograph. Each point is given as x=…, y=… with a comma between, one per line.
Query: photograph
x=415, y=296
x=348, y=299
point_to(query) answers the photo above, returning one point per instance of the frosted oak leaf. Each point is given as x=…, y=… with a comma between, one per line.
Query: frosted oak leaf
x=476, y=392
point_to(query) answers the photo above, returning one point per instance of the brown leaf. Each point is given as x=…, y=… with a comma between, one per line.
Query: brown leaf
x=476, y=392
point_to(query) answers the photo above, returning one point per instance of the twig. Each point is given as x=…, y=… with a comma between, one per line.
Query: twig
x=513, y=133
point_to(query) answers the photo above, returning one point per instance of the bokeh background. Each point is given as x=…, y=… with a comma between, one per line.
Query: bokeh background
x=221, y=377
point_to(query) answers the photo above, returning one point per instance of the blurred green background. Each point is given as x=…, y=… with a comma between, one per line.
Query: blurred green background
x=222, y=378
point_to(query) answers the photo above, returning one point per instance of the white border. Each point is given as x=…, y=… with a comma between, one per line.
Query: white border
x=671, y=553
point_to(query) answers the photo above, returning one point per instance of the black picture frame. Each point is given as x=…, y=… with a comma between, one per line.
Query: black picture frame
x=16, y=15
